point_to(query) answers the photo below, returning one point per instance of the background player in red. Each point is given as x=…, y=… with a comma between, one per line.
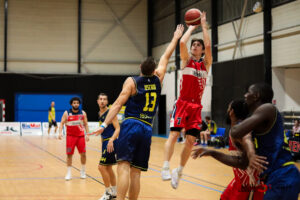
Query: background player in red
x=76, y=121
x=187, y=110
x=246, y=179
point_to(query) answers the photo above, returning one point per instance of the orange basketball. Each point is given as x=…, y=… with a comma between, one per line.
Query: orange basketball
x=192, y=17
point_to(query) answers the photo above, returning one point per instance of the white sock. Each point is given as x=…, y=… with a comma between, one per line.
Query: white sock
x=114, y=190
x=180, y=168
x=107, y=190
x=69, y=169
x=166, y=165
x=82, y=167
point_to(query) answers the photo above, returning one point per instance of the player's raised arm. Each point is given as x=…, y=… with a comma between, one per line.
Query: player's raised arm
x=207, y=42
x=184, y=52
x=164, y=59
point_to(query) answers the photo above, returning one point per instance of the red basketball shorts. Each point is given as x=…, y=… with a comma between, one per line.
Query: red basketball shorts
x=186, y=115
x=235, y=191
x=75, y=141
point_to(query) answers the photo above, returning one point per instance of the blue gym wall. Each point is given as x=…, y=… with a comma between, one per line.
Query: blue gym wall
x=34, y=107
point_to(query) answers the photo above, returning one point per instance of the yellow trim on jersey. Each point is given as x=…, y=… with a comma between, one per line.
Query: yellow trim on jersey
x=288, y=163
x=139, y=120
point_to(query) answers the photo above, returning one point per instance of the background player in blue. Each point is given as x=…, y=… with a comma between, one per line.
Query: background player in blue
x=142, y=96
x=266, y=125
x=108, y=159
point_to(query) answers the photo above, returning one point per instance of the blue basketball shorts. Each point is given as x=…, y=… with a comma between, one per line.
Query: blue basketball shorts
x=107, y=158
x=134, y=143
x=283, y=184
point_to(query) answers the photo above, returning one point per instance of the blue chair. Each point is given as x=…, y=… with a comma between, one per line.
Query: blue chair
x=220, y=132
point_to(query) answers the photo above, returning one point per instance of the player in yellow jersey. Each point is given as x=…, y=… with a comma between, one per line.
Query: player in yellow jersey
x=51, y=117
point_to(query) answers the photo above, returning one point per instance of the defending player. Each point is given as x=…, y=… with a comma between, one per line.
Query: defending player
x=108, y=159
x=266, y=125
x=245, y=184
x=141, y=95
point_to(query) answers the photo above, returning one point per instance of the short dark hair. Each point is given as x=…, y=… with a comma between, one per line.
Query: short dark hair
x=240, y=108
x=198, y=40
x=102, y=94
x=75, y=99
x=265, y=92
x=207, y=117
x=148, y=66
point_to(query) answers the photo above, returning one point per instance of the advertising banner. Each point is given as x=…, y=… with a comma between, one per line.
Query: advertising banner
x=31, y=128
x=10, y=128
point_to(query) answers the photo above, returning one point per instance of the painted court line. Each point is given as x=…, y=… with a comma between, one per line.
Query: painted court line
x=181, y=178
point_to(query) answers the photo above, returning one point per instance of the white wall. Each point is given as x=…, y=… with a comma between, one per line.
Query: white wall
x=286, y=84
x=286, y=44
x=42, y=36
x=252, y=25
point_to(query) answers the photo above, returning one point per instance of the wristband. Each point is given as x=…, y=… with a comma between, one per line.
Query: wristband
x=103, y=125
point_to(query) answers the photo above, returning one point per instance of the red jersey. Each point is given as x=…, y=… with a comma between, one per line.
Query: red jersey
x=193, y=81
x=246, y=178
x=75, y=123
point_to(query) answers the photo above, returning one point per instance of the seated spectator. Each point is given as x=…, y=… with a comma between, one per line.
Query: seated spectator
x=203, y=128
x=211, y=129
x=181, y=138
x=296, y=127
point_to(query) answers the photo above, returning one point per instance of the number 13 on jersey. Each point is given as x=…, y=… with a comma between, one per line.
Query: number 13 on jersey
x=150, y=101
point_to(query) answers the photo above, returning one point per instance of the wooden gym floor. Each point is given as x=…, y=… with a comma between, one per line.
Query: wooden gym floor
x=33, y=167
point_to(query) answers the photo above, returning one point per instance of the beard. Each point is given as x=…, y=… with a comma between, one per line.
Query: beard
x=74, y=108
x=228, y=120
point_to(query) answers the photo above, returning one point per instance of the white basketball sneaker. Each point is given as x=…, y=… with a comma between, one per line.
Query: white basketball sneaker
x=82, y=174
x=106, y=196
x=68, y=176
x=165, y=174
x=175, y=178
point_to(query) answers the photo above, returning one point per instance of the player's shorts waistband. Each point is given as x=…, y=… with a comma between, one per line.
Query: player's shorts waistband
x=145, y=122
x=190, y=100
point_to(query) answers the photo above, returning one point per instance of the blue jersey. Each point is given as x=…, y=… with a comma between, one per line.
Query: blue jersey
x=274, y=145
x=142, y=106
x=109, y=130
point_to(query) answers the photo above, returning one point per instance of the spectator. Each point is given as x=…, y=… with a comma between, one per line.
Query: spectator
x=211, y=129
x=296, y=127
x=203, y=128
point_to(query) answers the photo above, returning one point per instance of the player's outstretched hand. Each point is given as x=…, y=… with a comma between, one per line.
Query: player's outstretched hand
x=203, y=17
x=97, y=132
x=60, y=136
x=110, y=146
x=258, y=162
x=200, y=152
x=87, y=138
x=179, y=31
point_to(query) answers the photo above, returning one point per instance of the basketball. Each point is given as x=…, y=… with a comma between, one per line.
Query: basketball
x=192, y=17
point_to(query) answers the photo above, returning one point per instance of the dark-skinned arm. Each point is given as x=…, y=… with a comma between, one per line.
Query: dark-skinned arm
x=230, y=160
x=260, y=115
